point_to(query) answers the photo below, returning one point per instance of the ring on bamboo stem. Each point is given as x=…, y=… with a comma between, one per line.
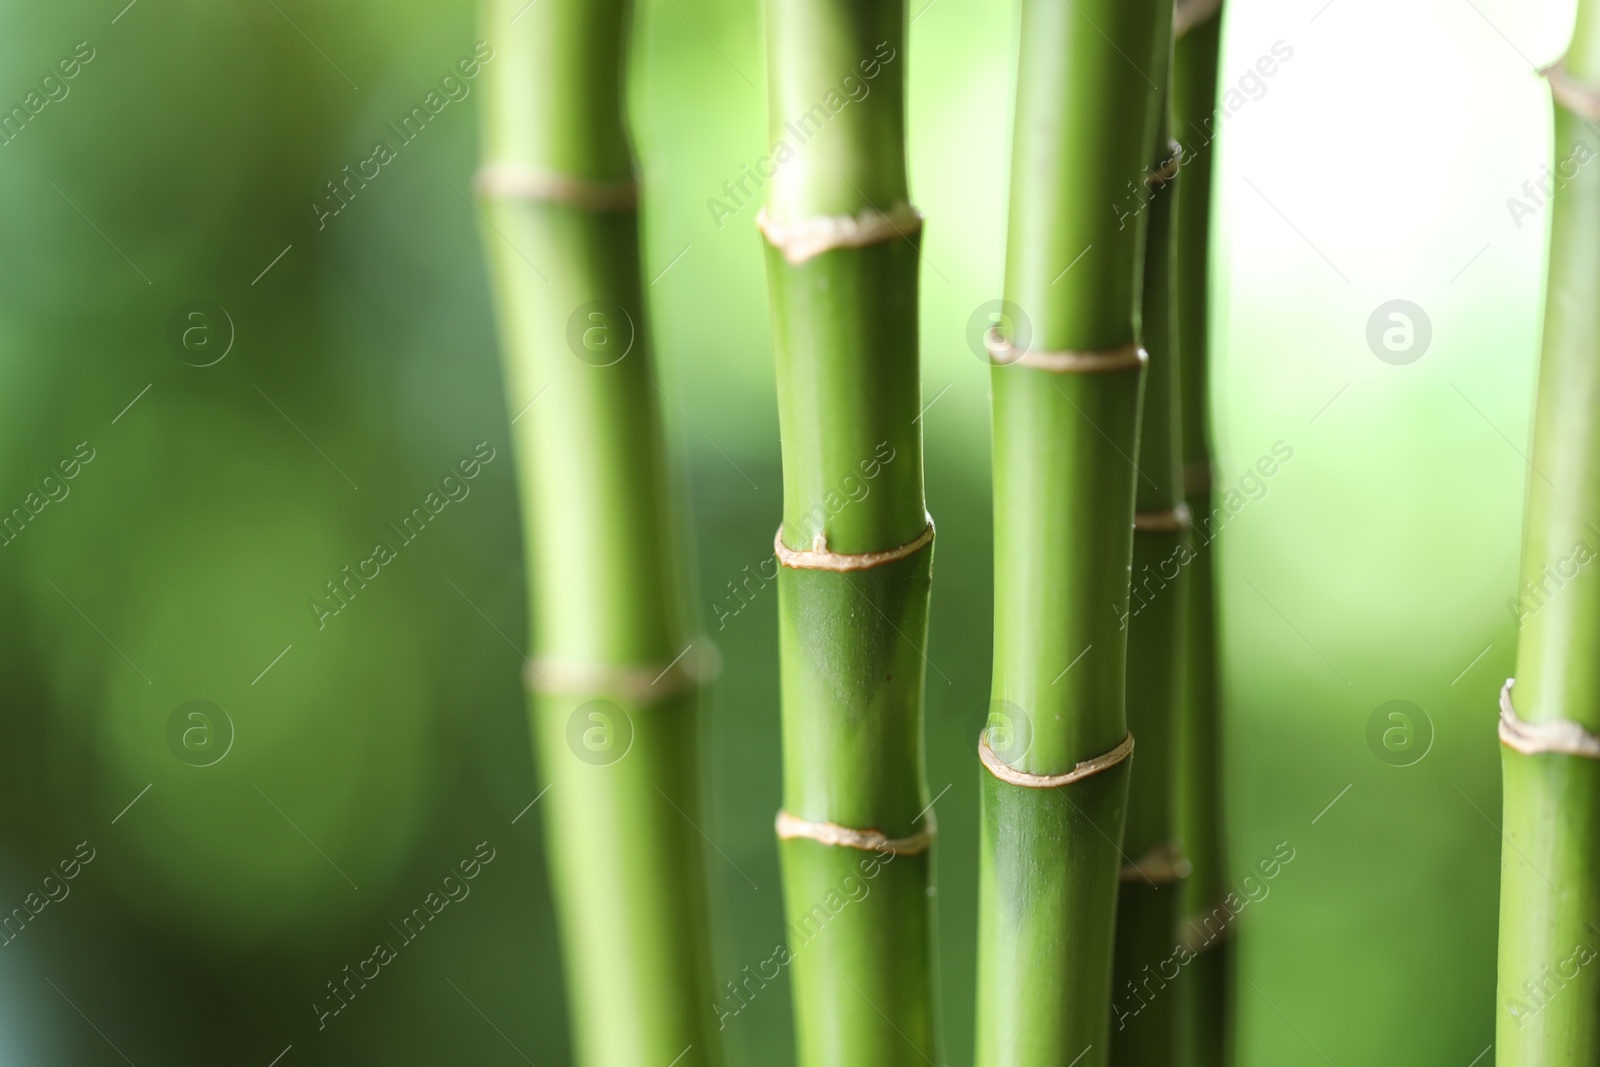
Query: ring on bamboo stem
x=791, y=827
x=802, y=239
x=1188, y=14
x=1168, y=170
x=1578, y=97
x=518, y=181
x=1169, y=521
x=1554, y=736
x=1007, y=773
x=1162, y=865
x=1094, y=361
x=818, y=558
x=644, y=683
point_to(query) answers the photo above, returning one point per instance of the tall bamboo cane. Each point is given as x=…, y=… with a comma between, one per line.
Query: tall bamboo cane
x=614, y=724
x=1549, y=974
x=842, y=251
x=1066, y=424
x=1146, y=1013
x=1204, y=984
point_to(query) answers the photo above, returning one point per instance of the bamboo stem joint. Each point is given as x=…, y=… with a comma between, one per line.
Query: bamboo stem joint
x=803, y=239
x=1100, y=361
x=1007, y=773
x=635, y=682
x=791, y=827
x=1580, y=98
x=1553, y=736
x=1171, y=520
x=818, y=558
x=518, y=181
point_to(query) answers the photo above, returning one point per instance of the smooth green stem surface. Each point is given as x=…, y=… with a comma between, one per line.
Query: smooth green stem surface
x=1064, y=452
x=605, y=555
x=844, y=328
x=1548, y=1011
x=1204, y=989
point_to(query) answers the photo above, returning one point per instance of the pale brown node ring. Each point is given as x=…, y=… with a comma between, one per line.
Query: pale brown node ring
x=1561, y=737
x=1007, y=773
x=803, y=239
x=519, y=181
x=818, y=558
x=791, y=827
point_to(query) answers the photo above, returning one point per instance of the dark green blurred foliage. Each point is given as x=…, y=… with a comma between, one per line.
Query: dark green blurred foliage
x=182, y=558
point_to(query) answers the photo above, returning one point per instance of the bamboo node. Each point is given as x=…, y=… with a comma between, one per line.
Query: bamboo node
x=1580, y=98
x=802, y=239
x=791, y=827
x=1093, y=361
x=644, y=683
x=818, y=558
x=1168, y=169
x=518, y=181
x=1162, y=865
x=1187, y=14
x=1007, y=773
x=1551, y=737
x=1168, y=521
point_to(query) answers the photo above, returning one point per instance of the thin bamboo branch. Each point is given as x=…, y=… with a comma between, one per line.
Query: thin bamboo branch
x=1205, y=981
x=1145, y=1012
x=615, y=684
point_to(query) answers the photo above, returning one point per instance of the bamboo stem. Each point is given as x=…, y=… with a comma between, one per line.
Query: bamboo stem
x=1205, y=981
x=615, y=729
x=1145, y=1012
x=1064, y=447
x=842, y=258
x=1549, y=982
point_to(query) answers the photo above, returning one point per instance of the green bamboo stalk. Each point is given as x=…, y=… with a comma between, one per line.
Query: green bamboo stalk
x=614, y=725
x=1146, y=1014
x=842, y=251
x=1549, y=977
x=1205, y=981
x=1066, y=428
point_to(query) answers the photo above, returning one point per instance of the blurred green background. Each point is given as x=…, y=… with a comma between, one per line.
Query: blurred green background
x=374, y=754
